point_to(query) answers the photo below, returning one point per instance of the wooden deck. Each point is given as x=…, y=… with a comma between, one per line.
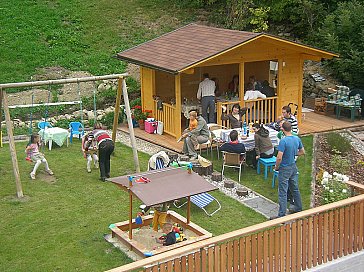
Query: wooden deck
x=312, y=123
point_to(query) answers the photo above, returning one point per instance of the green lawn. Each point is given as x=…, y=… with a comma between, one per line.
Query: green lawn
x=61, y=224
x=79, y=35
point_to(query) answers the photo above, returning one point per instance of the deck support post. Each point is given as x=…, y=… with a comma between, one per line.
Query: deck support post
x=241, y=82
x=177, y=123
x=14, y=158
x=117, y=108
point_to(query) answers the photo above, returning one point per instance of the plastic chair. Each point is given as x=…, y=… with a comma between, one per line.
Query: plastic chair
x=233, y=160
x=201, y=201
x=76, y=128
x=43, y=125
x=216, y=130
x=266, y=162
x=207, y=143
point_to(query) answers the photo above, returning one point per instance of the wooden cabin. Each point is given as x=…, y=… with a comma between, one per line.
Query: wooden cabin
x=171, y=68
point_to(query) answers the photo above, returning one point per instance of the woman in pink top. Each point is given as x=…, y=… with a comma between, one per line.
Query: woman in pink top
x=37, y=157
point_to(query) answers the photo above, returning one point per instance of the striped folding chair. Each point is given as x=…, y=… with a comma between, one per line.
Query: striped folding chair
x=201, y=200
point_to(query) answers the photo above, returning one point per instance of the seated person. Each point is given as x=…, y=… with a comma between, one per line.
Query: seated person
x=263, y=144
x=287, y=116
x=193, y=121
x=170, y=237
x=256, y=84
x=235, y=117
x=233, y=86
x=251, y=94
x=266, y=89
x=233, y=146
x=199, y=135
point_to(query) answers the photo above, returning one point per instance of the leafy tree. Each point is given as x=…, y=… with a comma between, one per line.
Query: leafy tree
x=343, y=33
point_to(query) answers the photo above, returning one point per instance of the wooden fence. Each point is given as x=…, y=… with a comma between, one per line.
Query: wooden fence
x=166, y=114
x=259, y=110
x=292, y=243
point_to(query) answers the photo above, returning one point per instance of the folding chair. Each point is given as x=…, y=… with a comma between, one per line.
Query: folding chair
x=201, y=201
x=233, y=160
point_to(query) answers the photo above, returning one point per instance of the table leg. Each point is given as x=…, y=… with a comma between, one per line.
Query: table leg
x=50, y=144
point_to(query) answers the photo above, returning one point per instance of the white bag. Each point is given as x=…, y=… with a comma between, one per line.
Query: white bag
x=160, y=128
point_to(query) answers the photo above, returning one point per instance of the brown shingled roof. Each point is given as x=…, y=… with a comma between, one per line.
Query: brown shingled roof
x=185, y=46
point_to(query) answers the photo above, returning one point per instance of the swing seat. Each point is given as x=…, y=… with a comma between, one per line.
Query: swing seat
x=76, y=128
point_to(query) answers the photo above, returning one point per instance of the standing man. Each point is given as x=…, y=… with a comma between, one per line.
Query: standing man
x=287, y=116
x=289, y=147
x=106, y=148
x=206, y=93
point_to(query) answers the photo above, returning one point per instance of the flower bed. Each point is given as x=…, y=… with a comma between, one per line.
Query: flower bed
x=336, y=162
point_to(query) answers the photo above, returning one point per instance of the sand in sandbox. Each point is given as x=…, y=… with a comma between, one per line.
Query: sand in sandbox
x=146, y=236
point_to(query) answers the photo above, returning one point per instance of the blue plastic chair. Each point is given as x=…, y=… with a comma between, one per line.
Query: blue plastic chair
x=76, y=128
x=266, y=162
x=43, y=125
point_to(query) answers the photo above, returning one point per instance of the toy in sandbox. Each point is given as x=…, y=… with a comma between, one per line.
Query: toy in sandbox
x=160, y=188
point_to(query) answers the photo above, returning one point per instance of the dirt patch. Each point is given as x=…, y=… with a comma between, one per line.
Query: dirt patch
x=43, y=176
x=61, y=93
x=15, y=199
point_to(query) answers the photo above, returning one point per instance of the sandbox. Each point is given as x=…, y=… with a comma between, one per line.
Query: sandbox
x=143, y=242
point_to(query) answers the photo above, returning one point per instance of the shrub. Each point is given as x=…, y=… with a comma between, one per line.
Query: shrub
x=340, y=164
x=334, y=187
x=338, y=143
x=108, y=119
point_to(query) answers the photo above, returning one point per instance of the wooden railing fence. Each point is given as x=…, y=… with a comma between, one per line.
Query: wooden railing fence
x=292, y=243
x=259, y=110
x=167, y=115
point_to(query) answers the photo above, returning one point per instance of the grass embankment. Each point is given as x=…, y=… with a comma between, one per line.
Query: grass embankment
x=61, y=225
x=79, y=35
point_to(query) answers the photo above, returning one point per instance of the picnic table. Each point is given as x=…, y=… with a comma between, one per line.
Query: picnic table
x=249, y=142
x=54, y=134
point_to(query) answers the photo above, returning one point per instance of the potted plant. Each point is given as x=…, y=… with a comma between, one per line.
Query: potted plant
x=140, y=115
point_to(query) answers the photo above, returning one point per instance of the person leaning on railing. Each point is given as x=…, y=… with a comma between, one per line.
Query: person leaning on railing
x=235, y=117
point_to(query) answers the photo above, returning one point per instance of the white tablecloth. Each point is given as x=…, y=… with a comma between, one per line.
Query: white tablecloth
x=249, y=141
x=55, y=134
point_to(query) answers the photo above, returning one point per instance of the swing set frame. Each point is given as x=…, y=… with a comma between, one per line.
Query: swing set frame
x=122, y=90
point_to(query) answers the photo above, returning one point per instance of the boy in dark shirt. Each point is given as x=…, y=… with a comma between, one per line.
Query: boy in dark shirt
x=170, y=237
x=233, y=146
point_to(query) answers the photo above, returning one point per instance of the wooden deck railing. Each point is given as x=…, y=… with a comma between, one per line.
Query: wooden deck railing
x=259, y=110
x=167, y=116
x=292, y=243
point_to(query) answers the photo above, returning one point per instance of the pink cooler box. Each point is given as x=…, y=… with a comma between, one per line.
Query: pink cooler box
x=150, y=127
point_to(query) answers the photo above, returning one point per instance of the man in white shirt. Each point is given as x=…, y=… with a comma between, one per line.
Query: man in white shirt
x=251, y=94
x=206, y=93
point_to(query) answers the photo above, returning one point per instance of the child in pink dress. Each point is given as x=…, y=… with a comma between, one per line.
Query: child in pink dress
x=37, y=157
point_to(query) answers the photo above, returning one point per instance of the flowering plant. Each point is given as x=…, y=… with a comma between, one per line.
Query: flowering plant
x=334, y=187
x=139, y=114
